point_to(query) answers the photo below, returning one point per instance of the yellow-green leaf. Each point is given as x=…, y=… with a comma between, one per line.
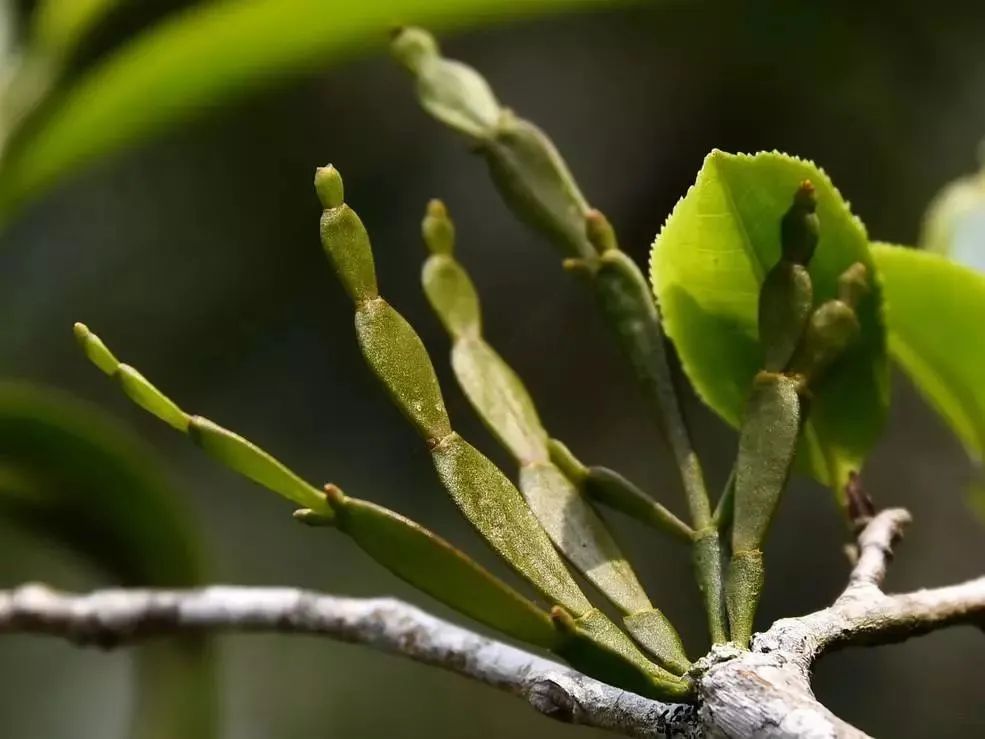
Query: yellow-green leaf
x=71, y=475
x=497, y=510
x=707, y=266
x=199, y=58
x=58, y=26
x=934, y=313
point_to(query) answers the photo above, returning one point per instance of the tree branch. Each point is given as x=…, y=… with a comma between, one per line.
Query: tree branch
x=764, y=692
x=111, y=618
x=875, y=548
x=863, y=614
x=767, y=692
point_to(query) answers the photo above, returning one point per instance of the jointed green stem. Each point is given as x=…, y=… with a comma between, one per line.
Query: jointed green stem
x=538, y=186
x=503, y=403
x=799, y=342
x=491, y=503
x=722, y=517
x=407, y=549
x=767, y=443
x=626, y=301
x=611, y=489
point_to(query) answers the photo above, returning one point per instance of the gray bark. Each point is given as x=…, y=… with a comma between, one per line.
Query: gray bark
x=763, y=692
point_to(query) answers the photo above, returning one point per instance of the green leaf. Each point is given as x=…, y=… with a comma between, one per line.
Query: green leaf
x=934, y=311
x=707, y=266
x=537, y=185
x=611, y=488
x=429, y=562
x=597, y=647
x=500, y=398
x=487, y=498
x=525, y=166
x=452, y=92
x=71, y=475
x=397, y=356
x=580, y=534
x=200, y=58
x=767, y=442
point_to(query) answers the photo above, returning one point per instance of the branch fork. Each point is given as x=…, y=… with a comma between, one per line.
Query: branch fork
x=764, y=692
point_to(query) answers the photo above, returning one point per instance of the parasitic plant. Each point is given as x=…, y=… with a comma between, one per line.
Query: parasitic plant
x=802, y=341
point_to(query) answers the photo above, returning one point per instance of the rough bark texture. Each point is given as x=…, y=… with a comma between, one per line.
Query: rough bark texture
x=764, y=692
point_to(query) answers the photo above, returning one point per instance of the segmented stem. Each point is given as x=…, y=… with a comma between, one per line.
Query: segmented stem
x=590, y=642
x=503, y=403
x=404, y=547
x=487, y=498
x=538, y=186
x=799, y=342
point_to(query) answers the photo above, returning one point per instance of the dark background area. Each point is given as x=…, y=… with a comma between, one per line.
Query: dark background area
x=197, y=258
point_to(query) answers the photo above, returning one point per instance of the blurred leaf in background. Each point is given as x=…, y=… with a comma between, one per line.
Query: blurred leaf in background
x=59, y=26
x=72, y=476
x=70, y=472
x=954, y=224
x=191, y=62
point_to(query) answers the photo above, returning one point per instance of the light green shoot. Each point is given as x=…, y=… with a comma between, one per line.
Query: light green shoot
x=405, y=548
x=505, y=406
x=230, y=449
x=799, y=342
x=609, y=488
x=538, y=186
x=487, y=498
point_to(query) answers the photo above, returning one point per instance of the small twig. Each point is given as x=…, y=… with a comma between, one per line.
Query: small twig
x=111, y=618
x=863, y=614
x=766, y=692
x=875, y=548
x=742, y=693
x=860, y=506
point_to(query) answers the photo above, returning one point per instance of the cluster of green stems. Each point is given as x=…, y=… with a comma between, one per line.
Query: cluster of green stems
x=547, y=521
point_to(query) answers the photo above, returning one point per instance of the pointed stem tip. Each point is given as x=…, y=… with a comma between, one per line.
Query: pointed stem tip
x=806, y=196
x=599, y=231
x=96, y=351
x=437, y=228
x=328, y=184
x=334, y=495
x=853, y=283
x=799, y=228
x=411, y=46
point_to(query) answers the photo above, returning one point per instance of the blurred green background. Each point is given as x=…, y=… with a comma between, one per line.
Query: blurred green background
x=196, y=256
